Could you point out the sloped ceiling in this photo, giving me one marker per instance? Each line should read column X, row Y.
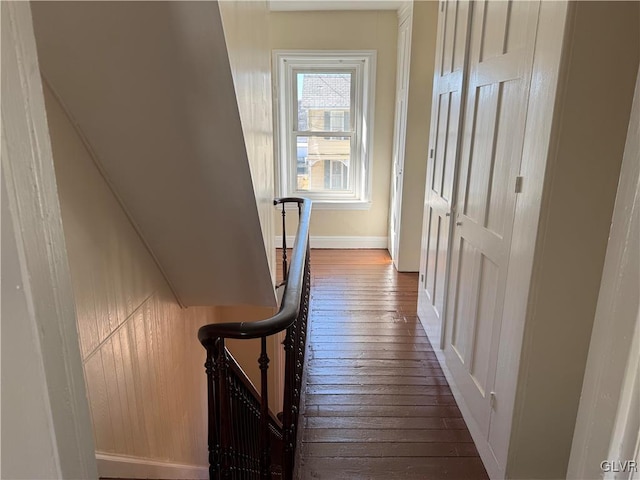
column 150, row 88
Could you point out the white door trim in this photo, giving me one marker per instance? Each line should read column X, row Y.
column 33, row 207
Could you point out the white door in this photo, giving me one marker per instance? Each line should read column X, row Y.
column 501, row 44
column 441, row 167
column 399, row 135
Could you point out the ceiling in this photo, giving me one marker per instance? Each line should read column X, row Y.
column 149, row 85
column 311, row 5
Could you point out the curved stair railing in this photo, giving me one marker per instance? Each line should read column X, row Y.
column 246, row 441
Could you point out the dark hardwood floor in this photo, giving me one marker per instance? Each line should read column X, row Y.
column 377, row 405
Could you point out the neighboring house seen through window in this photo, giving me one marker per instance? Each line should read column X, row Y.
column 324, row 112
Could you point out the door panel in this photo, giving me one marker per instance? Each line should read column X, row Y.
column 441, row 167
column 501, row 43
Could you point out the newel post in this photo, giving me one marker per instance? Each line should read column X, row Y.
column 213, row 402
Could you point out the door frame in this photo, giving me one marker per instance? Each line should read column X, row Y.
column 33, row 216
column 405, row 15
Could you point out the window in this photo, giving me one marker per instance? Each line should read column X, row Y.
column 324, row 113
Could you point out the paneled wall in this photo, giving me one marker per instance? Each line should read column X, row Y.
column 141, row 357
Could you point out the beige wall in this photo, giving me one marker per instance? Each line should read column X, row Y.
column 142, row 360
column 143, row 363
column 362, row 30
column 246, row 31
column 423, row 49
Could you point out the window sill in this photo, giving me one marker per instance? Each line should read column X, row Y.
column 333, row 205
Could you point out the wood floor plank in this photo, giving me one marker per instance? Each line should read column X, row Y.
column 341, row 339
column 369, row 347
column 354, row 354
column 343, row 317
column 377, row 404
column 382, row 330
column 384, row 423
column 384, row 435
column 419, row 468
column 382, row 450
column 375, row 380
column 375, row 363
column 394, row 400
column 377, row 371
column 445, row 411
column 398, row 390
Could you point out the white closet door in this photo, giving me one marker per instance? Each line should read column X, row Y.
column 501, row 45
column 439, row 194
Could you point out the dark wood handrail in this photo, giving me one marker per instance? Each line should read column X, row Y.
column 245, row 439
column 290, row 305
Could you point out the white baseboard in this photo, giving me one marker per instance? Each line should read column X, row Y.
column 320, row 241
column 120, row 466
column 494, row 470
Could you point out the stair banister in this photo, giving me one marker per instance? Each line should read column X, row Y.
column 245, row 439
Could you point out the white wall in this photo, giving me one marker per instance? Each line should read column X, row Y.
column 610, row 365
column 589, row 129
column 142, row 360
column 344, row 30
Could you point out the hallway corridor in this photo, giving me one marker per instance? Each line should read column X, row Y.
column 377, row 405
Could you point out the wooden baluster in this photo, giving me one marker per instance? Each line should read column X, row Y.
column 236, row 409
column 265, row 447
column 255, row 447
column 225, row 412
column 245, row 421
column 287, row 410
column 213, row 400
column 297, row 380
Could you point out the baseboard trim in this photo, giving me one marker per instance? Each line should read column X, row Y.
column 321, row 241
column 494, row 470
column 121, row 466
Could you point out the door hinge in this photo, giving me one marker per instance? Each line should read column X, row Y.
column 431, row 153
column 442, row 6
column 492, row 400
column 519, row 181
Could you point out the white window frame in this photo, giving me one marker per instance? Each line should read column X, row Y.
column 362, row 65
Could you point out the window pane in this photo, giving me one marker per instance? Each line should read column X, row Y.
column 324, row 101
column 323, row 163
